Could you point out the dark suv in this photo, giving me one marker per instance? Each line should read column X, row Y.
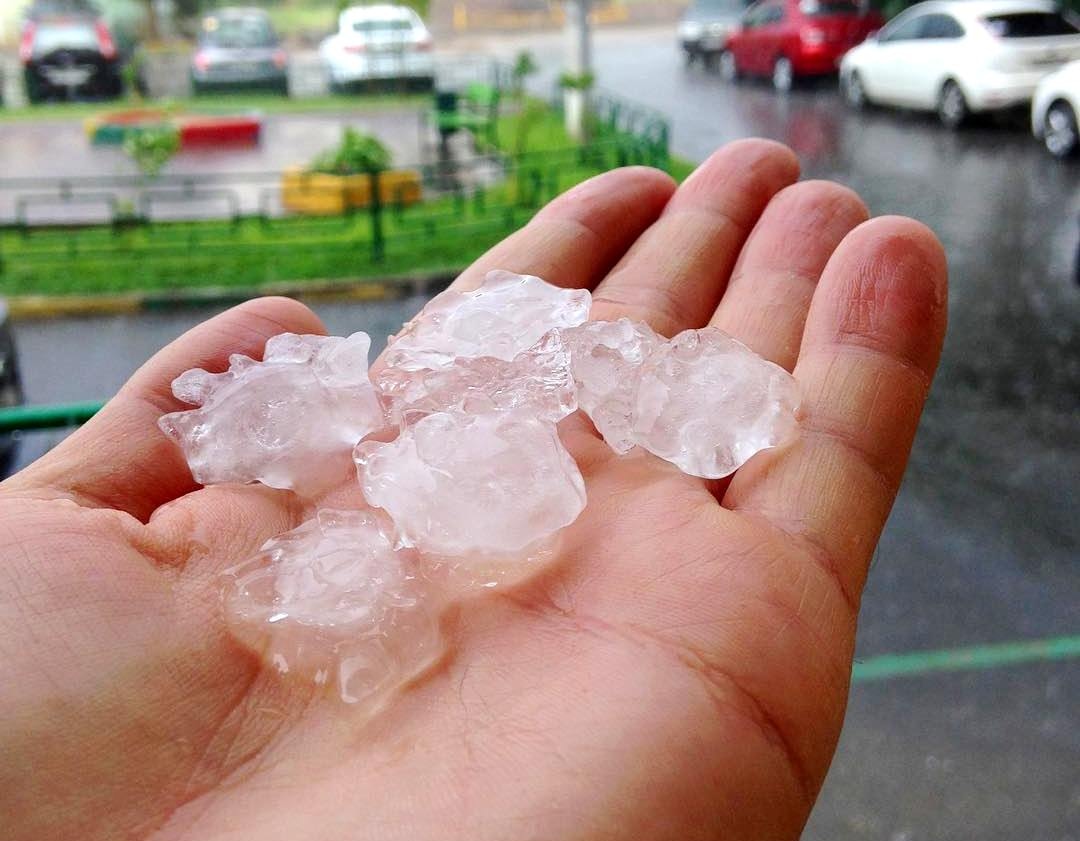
column 67, row 52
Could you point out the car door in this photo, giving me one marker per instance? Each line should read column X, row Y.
column 938, row 44
column 771, row 36
column 886, row 68
column 743, row 44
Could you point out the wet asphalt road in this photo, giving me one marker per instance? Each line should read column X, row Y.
column 984, row 543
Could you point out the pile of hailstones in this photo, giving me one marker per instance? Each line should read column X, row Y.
column 475, row 485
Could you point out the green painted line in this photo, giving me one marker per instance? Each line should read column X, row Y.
column 978, row 657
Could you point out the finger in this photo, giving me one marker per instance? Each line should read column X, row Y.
column 576, row 239
column 120, row 459
column 871, row 345
column 218, row 526
column 766, row 302
column 676, row 272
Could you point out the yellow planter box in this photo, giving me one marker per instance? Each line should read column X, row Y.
column 317, row 194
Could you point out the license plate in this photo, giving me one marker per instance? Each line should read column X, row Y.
column 67, row 76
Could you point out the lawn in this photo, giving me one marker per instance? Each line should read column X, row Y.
column 443, row 233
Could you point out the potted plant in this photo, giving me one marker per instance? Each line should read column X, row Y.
column 341, row 179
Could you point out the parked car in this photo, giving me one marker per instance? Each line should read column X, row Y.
column 960, row 57
column 237, row 47
column 68, row 54
column 11, row 392
column 786, row 39
column 705, row 26
column 1054, row 111
column 379, row 43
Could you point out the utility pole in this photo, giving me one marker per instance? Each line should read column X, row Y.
column 578, row 63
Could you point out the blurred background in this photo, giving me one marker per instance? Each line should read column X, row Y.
column 162, row 159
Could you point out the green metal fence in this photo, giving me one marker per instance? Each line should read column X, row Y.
column 251, row 242
column 55, row 416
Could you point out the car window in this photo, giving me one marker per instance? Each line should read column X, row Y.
column 823, row 8
column 706, row 8
column 70, row 36
column 753, row 17
column 1030, row 25
column 941, row 27
column 372, row 27
column 905, row 30
column 253, row 31
column 772, row 14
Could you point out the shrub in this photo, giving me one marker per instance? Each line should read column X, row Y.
column 356, row 154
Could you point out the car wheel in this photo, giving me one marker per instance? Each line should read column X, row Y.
column 729, row 70
column 783, row 74
column 854, row 92
column 1060, row 133
column 688, row 57
column 952, row 108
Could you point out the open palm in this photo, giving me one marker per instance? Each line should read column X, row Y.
column 681, row 670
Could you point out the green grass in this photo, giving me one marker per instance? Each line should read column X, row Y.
column 445, row 233
column 223, row 103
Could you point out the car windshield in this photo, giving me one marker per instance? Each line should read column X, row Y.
column 707, row 8
column 823, row 8
column 1030, row 25
column 65, row 36
column 379, row 27
column 238, row 32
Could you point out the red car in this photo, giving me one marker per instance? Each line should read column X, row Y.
column 785, row 39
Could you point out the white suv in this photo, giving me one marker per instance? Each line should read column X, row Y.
column 379, row 42
column 961, row 56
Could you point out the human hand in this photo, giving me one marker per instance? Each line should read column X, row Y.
column 680, row 672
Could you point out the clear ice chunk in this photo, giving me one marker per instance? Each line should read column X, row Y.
column 335, row 601
column 289, row 421
column 606, row 360
column 707, row 403
column 537, row 379
column 506, row 315
column 474, row 487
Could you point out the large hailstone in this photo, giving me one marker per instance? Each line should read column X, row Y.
column 707, row 403
column 289, row 421
column 606, row 359
column 702, row 400
column 537, row 380
column 489, row 349
column 334, row 600
column 507, row 314
column 473, row 487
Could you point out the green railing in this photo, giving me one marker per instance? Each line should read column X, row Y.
column 464, row 211
column 54, row 416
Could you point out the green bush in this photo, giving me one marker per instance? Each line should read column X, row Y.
column 151, row 148
column 358, row 153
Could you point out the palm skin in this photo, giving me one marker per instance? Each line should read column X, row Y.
column 679, row 672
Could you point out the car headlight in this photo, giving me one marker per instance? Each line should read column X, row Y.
column 689, row 30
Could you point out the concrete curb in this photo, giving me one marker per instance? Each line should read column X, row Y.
column 30, row 307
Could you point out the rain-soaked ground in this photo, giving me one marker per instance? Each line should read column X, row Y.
column 984, row 543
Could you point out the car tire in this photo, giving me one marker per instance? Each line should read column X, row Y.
column 783, row 75
column 729, row 68
column 854, row 91
column 1060, row 133
column 688, row 57
column 952, row 107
